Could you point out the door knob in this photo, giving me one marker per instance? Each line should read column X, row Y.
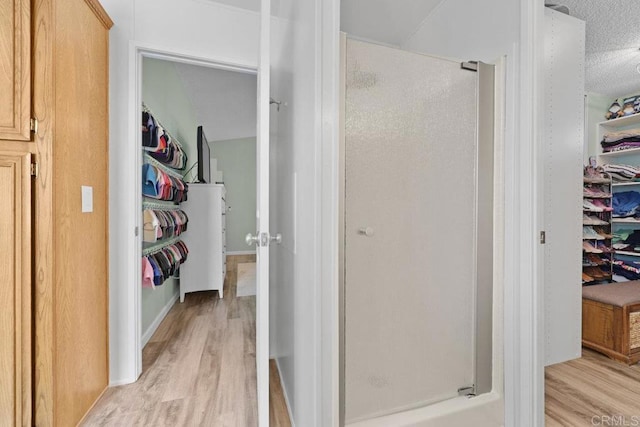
column 366, row 231
column 251, row 239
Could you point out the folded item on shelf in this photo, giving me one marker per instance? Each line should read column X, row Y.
column 621, row 134
column 634, row 238
column 620, row 147
column 622, row 173
column 621, row 234
column 626, row 204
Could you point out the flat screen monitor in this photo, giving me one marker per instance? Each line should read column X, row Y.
column 204, row 158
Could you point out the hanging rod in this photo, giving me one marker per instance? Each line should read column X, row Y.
column 146, row 109
column 149, row 159
column 160, row 246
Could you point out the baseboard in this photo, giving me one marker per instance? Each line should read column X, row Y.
column 121, row 382
column 92, row 406
column 146, row 336
column 286, row 395
column 241, row 253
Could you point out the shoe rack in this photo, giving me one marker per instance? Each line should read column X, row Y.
column 597, row 251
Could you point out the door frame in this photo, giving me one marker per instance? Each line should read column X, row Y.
column 131, row 312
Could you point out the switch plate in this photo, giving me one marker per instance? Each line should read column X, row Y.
column 87, row 198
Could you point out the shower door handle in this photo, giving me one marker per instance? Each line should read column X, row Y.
column 366, row 231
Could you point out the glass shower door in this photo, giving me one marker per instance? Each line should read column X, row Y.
column 411, row 215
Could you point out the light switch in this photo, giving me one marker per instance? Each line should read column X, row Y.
column 87, row 198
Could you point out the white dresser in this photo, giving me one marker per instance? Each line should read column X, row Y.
column 206, row 265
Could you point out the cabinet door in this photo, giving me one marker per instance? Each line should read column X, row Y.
column 15, row 72
column 15, row 289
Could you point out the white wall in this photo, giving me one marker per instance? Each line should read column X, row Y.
column 164, row 93
column 596, row 107
column 193, row 28
column 564, row 42
column 237, row 160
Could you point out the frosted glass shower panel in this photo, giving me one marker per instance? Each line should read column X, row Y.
column 410, row 215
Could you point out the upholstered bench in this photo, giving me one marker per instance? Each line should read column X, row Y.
column 611, row 320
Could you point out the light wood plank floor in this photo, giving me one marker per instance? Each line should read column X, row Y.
column 198, row 368
column 592, row 386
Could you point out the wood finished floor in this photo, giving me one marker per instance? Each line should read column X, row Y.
column 198, row 368
column 592, row 386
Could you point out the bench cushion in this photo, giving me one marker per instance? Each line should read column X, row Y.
column 617, row 294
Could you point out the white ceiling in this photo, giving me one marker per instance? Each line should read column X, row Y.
column 224, row 101
column 613, row 43
column 388, row 21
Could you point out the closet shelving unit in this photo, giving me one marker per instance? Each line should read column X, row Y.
column 628, row 157
column 603, row 186
column 149, row 248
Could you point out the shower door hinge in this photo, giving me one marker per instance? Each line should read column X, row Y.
column 543, row 237
column 469, row 391
column 470, row 65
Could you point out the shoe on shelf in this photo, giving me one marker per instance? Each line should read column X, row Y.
column 590, row 249
column 603, row 232
column 595, row 259
column 586, row 278
column 589, row 205
column 589, row 233
column 592, row 220
column 602, row 205
column 602, row 247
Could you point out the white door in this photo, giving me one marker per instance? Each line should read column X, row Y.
column 262, row 238
column 562, row 154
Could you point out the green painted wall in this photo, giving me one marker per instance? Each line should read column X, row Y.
column 596, row 107
column 165, row 95
column 237, row 161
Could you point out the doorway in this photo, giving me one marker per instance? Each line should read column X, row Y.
column 195, row 357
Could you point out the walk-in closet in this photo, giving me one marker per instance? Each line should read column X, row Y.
column 592, row 159
column 197, row 282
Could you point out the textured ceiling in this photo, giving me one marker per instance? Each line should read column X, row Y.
column 224, row 101
column 387, row 21
column 613, row 43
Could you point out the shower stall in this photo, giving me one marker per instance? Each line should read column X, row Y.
column 417, row 232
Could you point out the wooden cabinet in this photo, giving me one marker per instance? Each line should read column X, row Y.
column 15, row 289
column 15, row 72
column 54, row 309
column 70, row 100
